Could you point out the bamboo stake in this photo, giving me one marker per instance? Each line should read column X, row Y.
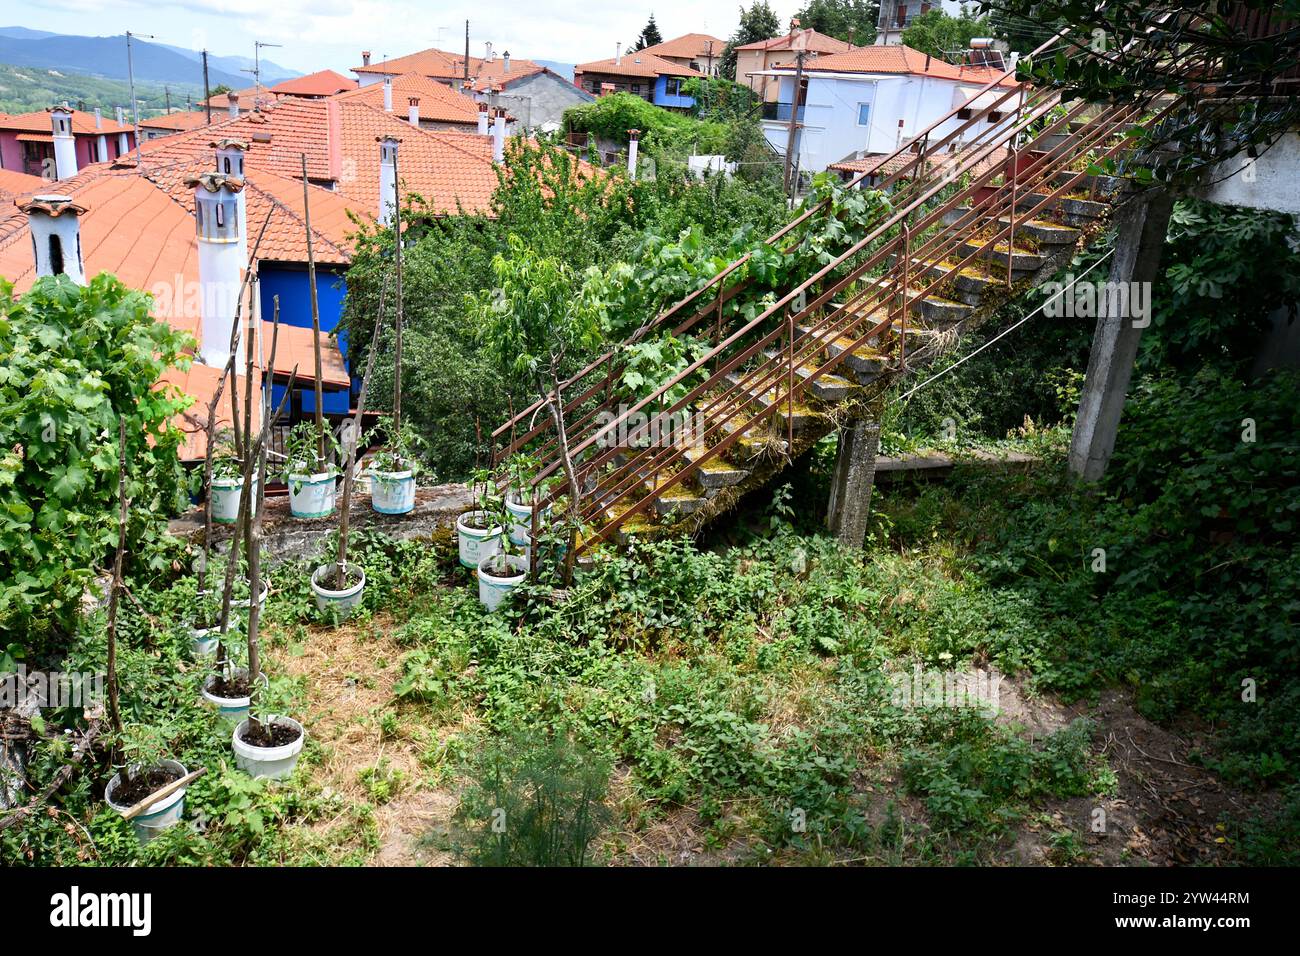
column 397, row 339
column 114, row 704
column 315, row 318
column 340, row 568
column 166, row 791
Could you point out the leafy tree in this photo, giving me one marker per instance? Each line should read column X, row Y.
column 74, row 361
column 758, row 22
column 219, row 89
column 650, row 36
column 853, row 21
column 943, row 36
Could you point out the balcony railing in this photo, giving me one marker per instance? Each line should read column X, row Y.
column 781, row 111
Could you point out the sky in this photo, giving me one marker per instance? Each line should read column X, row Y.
column 319, row 34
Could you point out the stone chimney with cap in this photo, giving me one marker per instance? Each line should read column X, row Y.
column 413, row 110
column 54, row 221
column 65, row 145
column 387, row 177
column 365, row 57
column 230, row 162
column 101, row 141
column 505, row 62
column 388, row 94
column 123, row 144
column 232, row 104
column 483, row 119
column 216, row 214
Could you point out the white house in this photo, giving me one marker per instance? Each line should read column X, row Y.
column 871, row 100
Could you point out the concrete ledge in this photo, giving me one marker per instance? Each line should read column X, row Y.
column 936, row 464
column 287, row 538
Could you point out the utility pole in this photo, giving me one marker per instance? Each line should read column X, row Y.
column 791, row 175
column 257, row 70
column 130, row 75
column 167, row 100
column 466, row 87
column 207, row 93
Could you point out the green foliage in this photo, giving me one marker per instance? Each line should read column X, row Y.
column 74, row 362
column 853, row 21
column 664, row 133
column 944, row 36
column 535, row 801
column 649, row 36
column 758, row 21
column 25, row 89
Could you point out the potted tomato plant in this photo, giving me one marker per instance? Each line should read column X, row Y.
column 310, row 472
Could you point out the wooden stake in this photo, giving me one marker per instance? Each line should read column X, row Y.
column 166, row 791
column 315, row 318
column 397, row 339
column 114, row 704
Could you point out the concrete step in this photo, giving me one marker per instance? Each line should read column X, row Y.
column 863, row 364
column 714, row 472
column 970, row 284
column 1023, row 261
column 1043, row 232
column 827, row 387
column 802, row 414
column 937, row 311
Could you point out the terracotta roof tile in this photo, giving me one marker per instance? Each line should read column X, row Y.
column 439, row 103
column 900, row 59
column 636, row 64
column 294, row 349
column 431, row 62
column 688, row 45
column 181, row 120
column 83, row 123
column 13, row 183
column 812, row 41
column 321, row 83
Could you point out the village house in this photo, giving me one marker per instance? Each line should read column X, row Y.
column 653, row 78
column 437, row 105
column 895, row 16
column 699, row 51
column 754, row 60
column 56, row 142
column 871, row 100
column 535, row 95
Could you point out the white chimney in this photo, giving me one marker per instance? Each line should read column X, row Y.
column 232, row 105
column 56, row 236
column 488, row 48
column 499, row 137
column 413, row 111
column 65, row 146
column 121, row 115
column 365, row 57
column 633, row 136
column 216, row 214
column 230, row 163
column 505, row 62
column 618, row 54
column 99, row 118
column 387, row 178
column 388, row 94
column 483, row 119
column 101, row 148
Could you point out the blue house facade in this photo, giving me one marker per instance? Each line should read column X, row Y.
column 653, row 78
column 290, row 282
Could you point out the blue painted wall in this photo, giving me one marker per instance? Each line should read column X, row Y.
column 662, row 97
column 294, row 290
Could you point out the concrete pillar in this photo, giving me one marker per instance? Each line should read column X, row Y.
column 1140, row 237
column 854, row 477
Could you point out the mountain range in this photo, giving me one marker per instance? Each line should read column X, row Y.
column 106, row 57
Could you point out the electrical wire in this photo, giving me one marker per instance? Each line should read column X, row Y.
column 1008, row 330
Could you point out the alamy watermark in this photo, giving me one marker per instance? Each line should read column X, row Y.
column 1073, row 298
column 22, row 689
column 623, row 428
column 977, row 689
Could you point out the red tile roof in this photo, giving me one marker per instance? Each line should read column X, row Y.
column 812, row 41
column 294, row 349
column 180, row 120
column 13, row 183
column 688, row 45
column 636, row 64
column 429, row 62
column 439, row 103
column 321, row 83
column 200, row 382
column 83, row 123
column 900, row 59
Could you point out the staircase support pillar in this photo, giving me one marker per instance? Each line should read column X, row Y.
column 854, row 477
column 1141, row 225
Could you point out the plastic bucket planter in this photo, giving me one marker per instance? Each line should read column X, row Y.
column 230, row 708
column 244, row 604
column 225, row 498
column 312, row 496
column 272, row 762
column 344, row 601
column 167, row 812
column 521, row 532
column 204, row 641
column 392, row 492
column 492, row 590
column 476, row 543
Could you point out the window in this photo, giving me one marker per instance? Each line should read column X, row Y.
column 673, row 86
column 995, row 116
column 864, row 114
column 56, row 255
column 964, row 114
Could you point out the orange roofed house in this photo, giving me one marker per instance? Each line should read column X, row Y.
column 535, row 95
column 653, row 78
column 869, row 101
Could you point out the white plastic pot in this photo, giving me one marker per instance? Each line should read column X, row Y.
column 392, row 492
column 204, row 641
column 225, row 498
column 244, row 603
column 492, row 590
column 272, row 762
column 343, row 601
column 476, row 543
column 167, row 812
column 521, row 532
column 312, row 496
column 230, row 708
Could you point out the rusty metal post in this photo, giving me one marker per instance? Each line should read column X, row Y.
column 1011, row 235
column 907, row 260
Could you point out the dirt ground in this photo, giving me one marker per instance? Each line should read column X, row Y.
column 1165, row 811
